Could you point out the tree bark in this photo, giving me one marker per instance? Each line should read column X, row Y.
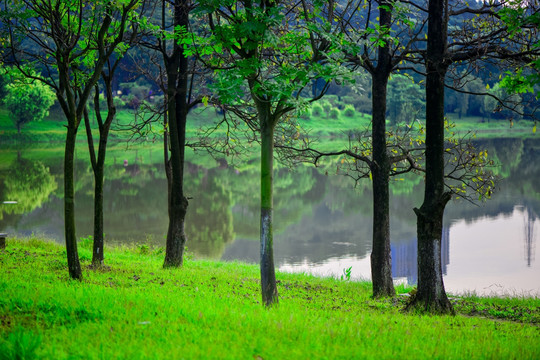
column 98, row 255
column 98, row 165
column 381, row 262
column 177, row 72
column 268, row 274
column 431, row 295
column 74, row 265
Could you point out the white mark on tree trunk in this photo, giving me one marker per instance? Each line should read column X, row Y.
column 266, row 224
column 437, row 266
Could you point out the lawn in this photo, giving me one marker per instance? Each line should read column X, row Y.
column 134, row 309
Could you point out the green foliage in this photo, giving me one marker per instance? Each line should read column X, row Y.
column 349, row 111
column 316, row 109
column 497, row 111
column 334, row 113
column 327, row 106
column 406, row 99
column 266, row 53
column 522, row 20
column 27, row 99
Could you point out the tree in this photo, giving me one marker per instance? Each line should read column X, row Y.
column 482, row 38
column 266, row 55
column 178, row 105
column 522, row 19
column 27, row 100
column 71, row 42
column 405, row 100
column 381, row 48
column 98, row 162
column 492, row 103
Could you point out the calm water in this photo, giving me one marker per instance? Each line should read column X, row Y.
column 322, row 224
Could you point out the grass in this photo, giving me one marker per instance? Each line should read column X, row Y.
column 52, row 128
column 134, row 309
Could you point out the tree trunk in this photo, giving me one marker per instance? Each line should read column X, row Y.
column 177, row 72
column 381, row 262
column 178, row 203
column 69, row 204
column 98, row 248
column 268, row 273
column 431, row 295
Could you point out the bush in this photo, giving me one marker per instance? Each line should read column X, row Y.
column 334, row 113
column 349, row 111
column 119, row 102
column 326, row 106
column 316, row 110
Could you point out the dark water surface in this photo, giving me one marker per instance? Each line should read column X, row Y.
column 322, row 224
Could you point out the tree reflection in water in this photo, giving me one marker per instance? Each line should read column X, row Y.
column 28, row 184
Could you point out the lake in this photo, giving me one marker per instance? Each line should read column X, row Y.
column 322, row 222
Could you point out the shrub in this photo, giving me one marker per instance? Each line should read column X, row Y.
column 119, row 102
column 326, row 106
column 349, row 111
column 316, row 110
column 334, row 113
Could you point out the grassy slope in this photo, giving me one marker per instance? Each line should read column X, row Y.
column 137, row 310
column 52, row 128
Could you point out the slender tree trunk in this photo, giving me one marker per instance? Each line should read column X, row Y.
column 98, row 165
column 98, row 248
column 381, row 262
column 166, row 161
column 74, row 265
column 268, row 273
column 431, row 295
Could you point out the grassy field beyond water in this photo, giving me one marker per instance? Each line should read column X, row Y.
column 134, row 309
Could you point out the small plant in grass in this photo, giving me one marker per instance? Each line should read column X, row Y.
column 86, row 242
column 334, row 113
column 346, row 274
column 349, row 111
column 144, row 249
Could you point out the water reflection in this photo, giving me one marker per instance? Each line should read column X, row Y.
column 322, row 224
column 24, row 187
column 530, row 238
column 404, row 257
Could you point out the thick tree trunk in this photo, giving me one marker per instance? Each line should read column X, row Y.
column 381, row 262
column 74, row 265
column 431, row 295
column 177, row 72
column 178, row 203
column 268, row 273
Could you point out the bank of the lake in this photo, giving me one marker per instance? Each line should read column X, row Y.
column 134, row 309
column 52, row 129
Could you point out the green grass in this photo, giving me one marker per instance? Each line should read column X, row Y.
column 52, row 128
column 136, row 310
